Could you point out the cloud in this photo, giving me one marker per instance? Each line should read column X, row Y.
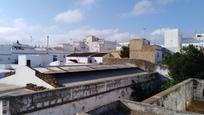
column 79, row 34
column 165, row 2
column 19, row 30
column 157, row 35
column 88, row 2
column 16, row 28
column 147, row 7
column 158, row 32
column 70, row 16
column 144, row 6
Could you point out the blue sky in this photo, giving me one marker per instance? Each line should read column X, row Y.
column 121, row 20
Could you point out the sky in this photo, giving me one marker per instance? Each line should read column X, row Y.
column 66, row 21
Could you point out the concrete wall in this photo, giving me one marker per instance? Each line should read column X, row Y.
column 145, row 65
column 172, row 39
column 126, row 107
column 79, row 97
column 176, row 97
column 199, row 89
column 35, row 60
column 146, row 109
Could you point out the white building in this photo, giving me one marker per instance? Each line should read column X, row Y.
column 172, row 40
column 86, row 58
column 9, row 53
column 199, row 37
column 94, row 44
column 80, row 47
column 197, row 41
column 35, row 60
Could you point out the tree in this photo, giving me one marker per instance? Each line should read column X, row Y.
column 189, row 63
column 124, row 53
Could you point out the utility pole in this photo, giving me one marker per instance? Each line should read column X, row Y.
column 47, row 43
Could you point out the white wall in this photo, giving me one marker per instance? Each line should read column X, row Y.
column 36, row 60
column 83, row 60
column 172, row 39
column 200, row 44
column 98, row 59
column 23, row 76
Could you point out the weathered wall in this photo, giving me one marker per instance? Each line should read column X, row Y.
column 79, row 97
column 176, row 97
column 148, row 66
column 146, row 109
column 126, row 107
column 145, row 65
column 199, row 89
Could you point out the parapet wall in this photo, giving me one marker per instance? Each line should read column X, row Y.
column 145, row 65
column 78, row 97
column 199, row 90
column 179, row 96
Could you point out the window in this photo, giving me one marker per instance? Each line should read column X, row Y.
column 203, row 92
column 4, row 103
column 54, row 58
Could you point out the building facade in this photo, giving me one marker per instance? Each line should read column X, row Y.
column 9, row 53
column 172, row 40
column 95, row 44
column 142, row 50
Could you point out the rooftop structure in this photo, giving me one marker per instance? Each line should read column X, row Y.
column 141, row 49
column 9, row 53
column 87, row 58
column 52, row 77
column 172, row 40
column 197, row 41
column 95, row 44
column 76, row 96
column 185, row 98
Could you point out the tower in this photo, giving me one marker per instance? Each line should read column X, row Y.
column 172, row 40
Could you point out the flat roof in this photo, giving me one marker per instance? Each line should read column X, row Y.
column 12, row 90
column 79, row 68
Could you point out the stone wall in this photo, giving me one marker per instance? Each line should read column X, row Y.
column 126, row 107
column 199, row 90
column 146, row 109
column 144, row 65
column 79, row 97
column 176, row 97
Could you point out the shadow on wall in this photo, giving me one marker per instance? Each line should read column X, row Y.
column 142, row 91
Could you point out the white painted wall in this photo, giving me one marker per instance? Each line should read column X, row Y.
column 83, row 60
column 98, row 59
column 200, row 44
column 36, row 60
column 23, row 76
column 172, row 40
